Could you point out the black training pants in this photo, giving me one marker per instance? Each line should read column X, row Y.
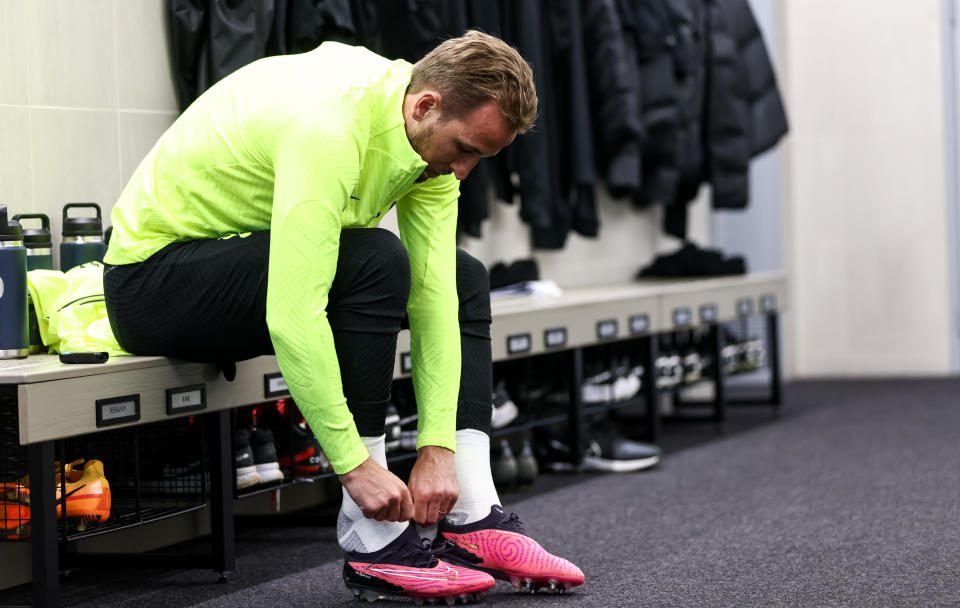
column 205, row 301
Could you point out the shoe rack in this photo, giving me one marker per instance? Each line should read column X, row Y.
column 50, row 411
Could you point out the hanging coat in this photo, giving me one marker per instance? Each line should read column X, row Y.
column 744, row 111
column 614, row 85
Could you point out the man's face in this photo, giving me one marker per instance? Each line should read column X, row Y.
column 455, row 144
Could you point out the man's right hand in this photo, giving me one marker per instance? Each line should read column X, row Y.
column 379, row 493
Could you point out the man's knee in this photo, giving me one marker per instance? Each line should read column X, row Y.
column 374, row 262
column 473, row 288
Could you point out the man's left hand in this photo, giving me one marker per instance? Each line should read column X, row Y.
column 433, row 484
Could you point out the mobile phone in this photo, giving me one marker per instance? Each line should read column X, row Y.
column 99, row 357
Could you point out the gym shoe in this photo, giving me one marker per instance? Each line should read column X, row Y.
column 14, row 521
column 265, row 456
column 605, row 449
column 505, row 410
column 19, row 490
column 499, row 546
column 87, row 498
column 246, row 469
column 299, row 450
column 407, row 568
column 392, row 429
column 609, row 450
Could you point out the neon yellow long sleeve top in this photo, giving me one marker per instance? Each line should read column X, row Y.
column 305, row 145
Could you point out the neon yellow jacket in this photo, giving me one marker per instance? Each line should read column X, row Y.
column 305, row 145
column 71, row 312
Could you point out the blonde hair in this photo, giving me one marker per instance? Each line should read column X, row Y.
column 475, row 68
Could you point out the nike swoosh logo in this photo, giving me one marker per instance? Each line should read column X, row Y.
column 449, row 575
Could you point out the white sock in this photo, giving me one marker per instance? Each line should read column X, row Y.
column 477, row 492
column 356, row 532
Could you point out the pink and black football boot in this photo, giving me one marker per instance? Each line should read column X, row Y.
column 407, row 568
column 498, row 545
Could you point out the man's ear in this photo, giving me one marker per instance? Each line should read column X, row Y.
column 426, row 101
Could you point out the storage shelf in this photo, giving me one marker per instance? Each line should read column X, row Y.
column 132, row 518
column 526, row 426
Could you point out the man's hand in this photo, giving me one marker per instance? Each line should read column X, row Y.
column 433, row 484
column 380, row 494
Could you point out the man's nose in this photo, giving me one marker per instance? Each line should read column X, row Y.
column 462, row 168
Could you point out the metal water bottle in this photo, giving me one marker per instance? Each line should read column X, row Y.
column 38, row 241
column 82, row 238
column 39, row 244
column 14, row 343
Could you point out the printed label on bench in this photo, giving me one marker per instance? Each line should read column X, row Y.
column 639, row 324
column 555, row 337
column 708, row 313
column 518, row 343
column 682, row 316
column 607, row 329
column 118, row 410
column 745, row 307
column 406, row 363
column 186, row 399
column 768, row 303
column 274, row 385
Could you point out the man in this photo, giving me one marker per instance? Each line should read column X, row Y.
column 289, row 164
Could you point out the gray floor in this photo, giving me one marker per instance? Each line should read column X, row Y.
column 849, row 498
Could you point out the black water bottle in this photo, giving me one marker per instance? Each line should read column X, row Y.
column 82, row 238
column 14, row 342
column 39, row 244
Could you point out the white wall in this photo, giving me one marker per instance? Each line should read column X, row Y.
column 864, row 188
column 86, row 91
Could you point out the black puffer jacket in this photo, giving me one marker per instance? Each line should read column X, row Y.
column 614, row 97
column 744, row 114
column 744, row 111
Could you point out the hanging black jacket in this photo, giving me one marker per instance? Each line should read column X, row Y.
column 614, row 85
column 554, row 161
column 210, row 39
column 745, row 114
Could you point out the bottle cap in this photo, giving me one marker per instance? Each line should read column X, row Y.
column 9, row 230
column 82, row 226
column 36, row 237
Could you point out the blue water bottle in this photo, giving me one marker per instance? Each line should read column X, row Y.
column 14, row 342
column 39, row 244
column 82, row 238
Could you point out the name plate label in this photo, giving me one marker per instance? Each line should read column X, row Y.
column 274, row 385
column 518, row 343
column 639, row 324
column 708, row 313
column 406, row 363
column 682, row 316
column 118, row 410
column 555, row 337
column 745, row 307
column 187, row 399
column 607, row 329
